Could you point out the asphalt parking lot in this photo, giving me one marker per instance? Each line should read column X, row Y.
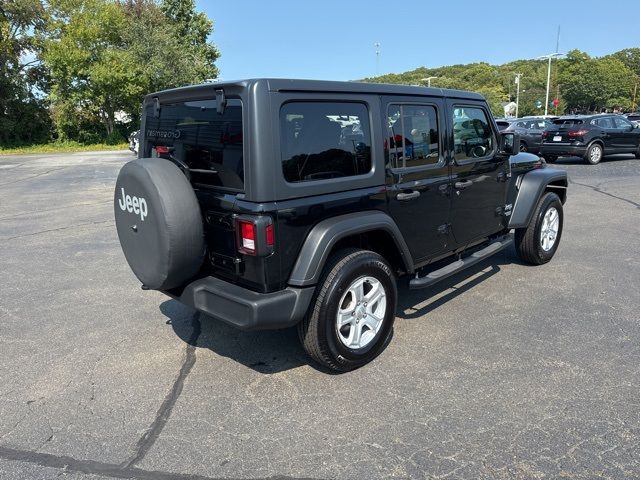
column 507, row 371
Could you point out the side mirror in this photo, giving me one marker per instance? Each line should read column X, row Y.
column 509, row 143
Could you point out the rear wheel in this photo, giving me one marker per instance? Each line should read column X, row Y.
column 550, row 158
column 594, row 154
column 638, row 153
column 351, row 320
column 524, row 147
column 537, row 243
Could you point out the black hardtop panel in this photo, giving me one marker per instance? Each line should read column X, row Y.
column 293, row 85
column 199, row 92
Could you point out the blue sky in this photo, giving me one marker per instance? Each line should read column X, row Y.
column 334, row 40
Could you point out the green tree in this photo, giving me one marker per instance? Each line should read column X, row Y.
column 104, row 55
column 590, row 84
column 23, row 114
column 193, row 28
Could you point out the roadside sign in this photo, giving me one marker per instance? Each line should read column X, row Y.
column 538, row 103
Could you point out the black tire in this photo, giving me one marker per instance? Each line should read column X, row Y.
column 318, row 331
column 528, row 240
column 638, row 153
column 524, row 147
column 550, row 158
column 591, row 157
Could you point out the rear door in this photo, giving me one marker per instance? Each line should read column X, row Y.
column 478, row 173
column 608, row 133
column 418, row 173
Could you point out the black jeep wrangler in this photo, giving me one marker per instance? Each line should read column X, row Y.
column 270, row 203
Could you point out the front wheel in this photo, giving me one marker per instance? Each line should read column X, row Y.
column 550, row 158
column 538, row 242
column 594, row 154
column 351, row 320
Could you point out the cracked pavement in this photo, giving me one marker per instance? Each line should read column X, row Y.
column 505, row 371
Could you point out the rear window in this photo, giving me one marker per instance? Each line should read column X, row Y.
column 571, row 121
column 323, row 140
column 194, row 135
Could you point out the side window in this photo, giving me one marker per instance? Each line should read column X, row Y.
column 321, row 140
column 413, row 136
column 472, row 134
column 604, row 122
column 621, row 123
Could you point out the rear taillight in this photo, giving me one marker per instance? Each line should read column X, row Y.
column 162, row 150
column 578, row 133
column 247, row 237
column 255, row 236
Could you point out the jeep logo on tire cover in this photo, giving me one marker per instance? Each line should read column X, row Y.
column 137, row 205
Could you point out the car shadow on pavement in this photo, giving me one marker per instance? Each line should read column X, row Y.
column 265, row 351
column 274, row 351
column 414, row 304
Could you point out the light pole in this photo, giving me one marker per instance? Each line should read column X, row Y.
column 518, row 75
column 428, row 80
column 377, row 45
column 550, row 56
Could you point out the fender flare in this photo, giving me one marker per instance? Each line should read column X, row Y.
column 531, row 187
column 323, row 237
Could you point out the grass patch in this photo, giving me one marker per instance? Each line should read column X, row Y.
column 61, row 147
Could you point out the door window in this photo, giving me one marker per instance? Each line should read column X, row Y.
column 606, row 123
column 622, row 123
column 413, row 136
column 472, row 134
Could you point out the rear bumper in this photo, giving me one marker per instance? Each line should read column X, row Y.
column 558, row 150
column 243, row 308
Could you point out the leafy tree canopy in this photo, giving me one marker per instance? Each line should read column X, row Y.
column 104, row 55
column 581, row 83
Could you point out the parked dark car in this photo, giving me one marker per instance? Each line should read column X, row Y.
column 590, row 137
column 503, row 123
column 633, row 117
column 134, row 142
column 273, row 203
column 530, row 130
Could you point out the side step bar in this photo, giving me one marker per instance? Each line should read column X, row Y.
column 459, row 265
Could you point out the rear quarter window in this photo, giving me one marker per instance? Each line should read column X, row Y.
column 324, row 140
column 567, row 122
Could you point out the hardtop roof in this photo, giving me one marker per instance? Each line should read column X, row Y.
column 294, row 85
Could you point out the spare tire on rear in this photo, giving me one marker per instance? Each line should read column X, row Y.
column 159, row 223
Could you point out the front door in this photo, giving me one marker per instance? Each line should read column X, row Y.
column 625, row 135
column 418, row 186
column 478, row 173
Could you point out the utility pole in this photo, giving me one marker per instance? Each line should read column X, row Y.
column 518, row 75
column 549, row 57
column 635, row 91
column 377, row 45
column 428, row 80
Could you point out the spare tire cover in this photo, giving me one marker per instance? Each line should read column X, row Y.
column 159, row 223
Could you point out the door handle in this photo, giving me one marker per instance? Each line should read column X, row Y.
column 402, row 196
column 463, row 184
